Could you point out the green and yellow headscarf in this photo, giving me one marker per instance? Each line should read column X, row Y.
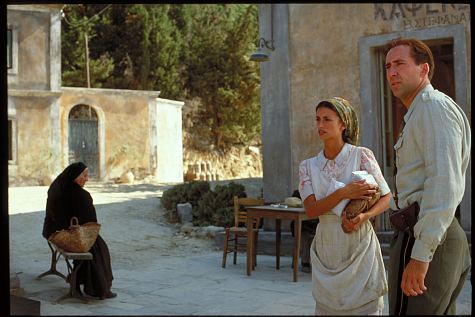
column 347, row 114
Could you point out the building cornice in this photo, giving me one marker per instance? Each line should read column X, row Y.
column 33, row 93
column 147, row 93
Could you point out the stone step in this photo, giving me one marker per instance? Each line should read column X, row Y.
column 384, row 236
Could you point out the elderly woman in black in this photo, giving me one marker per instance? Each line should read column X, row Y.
column 67, row 198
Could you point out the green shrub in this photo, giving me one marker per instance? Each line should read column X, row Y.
column 216, row 207
column 187, row 192
column 209, row 207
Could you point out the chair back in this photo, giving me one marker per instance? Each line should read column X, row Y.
column 240, row 214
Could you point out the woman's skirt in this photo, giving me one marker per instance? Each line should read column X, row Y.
column 96, row 275
column 348, row 272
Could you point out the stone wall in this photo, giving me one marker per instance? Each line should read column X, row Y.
column 238, row 163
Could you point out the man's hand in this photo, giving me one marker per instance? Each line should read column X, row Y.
column 413, row 277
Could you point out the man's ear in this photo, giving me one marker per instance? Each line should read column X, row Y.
column 425, row 69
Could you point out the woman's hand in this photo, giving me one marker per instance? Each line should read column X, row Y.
column 359, row 190
column 350, row 225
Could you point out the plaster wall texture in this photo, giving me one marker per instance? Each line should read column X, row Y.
column 31, row 34
column 275, row 106
column 317, row 56
column 34, row 142
column 325, row 57
column 124, row 122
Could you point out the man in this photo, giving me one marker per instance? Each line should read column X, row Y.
column 429, row 263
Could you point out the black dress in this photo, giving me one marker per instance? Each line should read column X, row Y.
column 67, row 199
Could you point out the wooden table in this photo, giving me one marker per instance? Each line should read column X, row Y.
column 277, row 213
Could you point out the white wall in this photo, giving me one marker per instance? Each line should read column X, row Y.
column 169, row 141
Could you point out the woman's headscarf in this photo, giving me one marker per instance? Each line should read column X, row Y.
column 67, row 176
column 347, row 114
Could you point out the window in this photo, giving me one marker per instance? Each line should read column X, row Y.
column 12, row 142
column 12, row 50
column 10, row 152
column 9, row 49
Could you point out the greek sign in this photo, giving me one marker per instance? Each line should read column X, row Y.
column 418, row 15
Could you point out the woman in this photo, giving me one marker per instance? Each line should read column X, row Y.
column 67, row 198
column 348, row 272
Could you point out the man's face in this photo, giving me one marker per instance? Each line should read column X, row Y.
column 403, row 75
column 82, row 178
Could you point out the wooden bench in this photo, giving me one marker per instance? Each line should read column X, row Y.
column 71, row 278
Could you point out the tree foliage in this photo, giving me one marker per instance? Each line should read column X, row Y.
column 188, row 52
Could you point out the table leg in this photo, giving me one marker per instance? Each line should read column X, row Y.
column 249, row 255
column 298, row 233
column 277, row 243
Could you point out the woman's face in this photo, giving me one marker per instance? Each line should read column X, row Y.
column 329, row 124
column 82, row 178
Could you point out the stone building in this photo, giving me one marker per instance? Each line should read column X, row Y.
column 323, row 50
column 50, row 126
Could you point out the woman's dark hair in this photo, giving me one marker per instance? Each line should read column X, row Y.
column 329, row 105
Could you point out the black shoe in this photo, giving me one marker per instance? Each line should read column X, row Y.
column 110, row 295
column 78, row 289
column 306, row 267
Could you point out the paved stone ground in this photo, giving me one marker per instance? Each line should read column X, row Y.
column 154, row 276
column 196, row 285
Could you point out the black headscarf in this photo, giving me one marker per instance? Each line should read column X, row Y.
column 65, row 198
column 65, row 179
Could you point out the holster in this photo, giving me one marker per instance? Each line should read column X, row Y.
column 405, row 219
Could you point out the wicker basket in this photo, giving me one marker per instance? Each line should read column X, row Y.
column 78, row 239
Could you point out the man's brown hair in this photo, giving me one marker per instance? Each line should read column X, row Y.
column 419, row 51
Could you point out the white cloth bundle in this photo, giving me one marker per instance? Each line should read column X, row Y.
column 334, row 185
column 363, row 175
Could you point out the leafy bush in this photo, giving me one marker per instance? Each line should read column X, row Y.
column 187, row 192
column 209, row 207
column 216, row 207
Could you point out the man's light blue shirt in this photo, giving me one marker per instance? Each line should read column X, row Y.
column 432, row 155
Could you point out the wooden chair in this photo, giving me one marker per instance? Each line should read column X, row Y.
column 239, row 230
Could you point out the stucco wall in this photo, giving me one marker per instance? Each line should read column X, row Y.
column 324, row 64
column 124, row 122
column 38, row 58
column 34, row 154
column 316, row 57
column 325, row 56
column 169, row 166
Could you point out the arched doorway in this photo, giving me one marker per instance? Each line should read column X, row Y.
column 83, row 138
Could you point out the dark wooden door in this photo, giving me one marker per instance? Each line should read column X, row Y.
column 83, row 138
